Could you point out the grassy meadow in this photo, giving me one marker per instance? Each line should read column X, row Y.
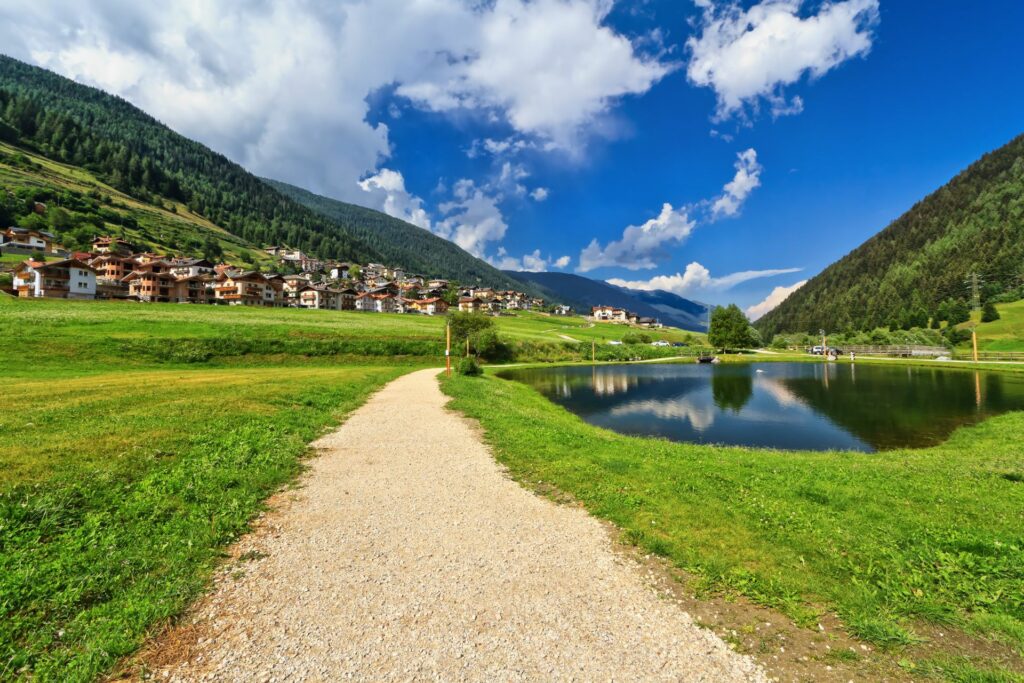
column 1005, row 334
column 136, row 441
column 900, row 545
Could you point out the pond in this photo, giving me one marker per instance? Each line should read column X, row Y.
column 807, row 406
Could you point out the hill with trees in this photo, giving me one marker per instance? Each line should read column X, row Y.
column 582, row 293
column 915, row 272
column 418, row 250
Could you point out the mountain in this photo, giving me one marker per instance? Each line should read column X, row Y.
column 918, row 267
column 418, row 250
column 581, row 293
column 130, row 151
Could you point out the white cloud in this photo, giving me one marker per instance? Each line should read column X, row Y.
column 641, row 245
column 751, row 55
column 531, row 263
column 698, row 279
column 736, row 191
column 282, row 87
column 540, row 194
column 551, row 66
column 389, row 189
column 472, row 219
column 776, row 297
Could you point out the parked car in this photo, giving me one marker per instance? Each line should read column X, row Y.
column 818, row 350
column 614, row 342
column 660, row 342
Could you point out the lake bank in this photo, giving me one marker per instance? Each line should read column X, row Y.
column 899, row 549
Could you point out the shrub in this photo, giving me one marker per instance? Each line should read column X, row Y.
column 989, row 313
column 469, row 368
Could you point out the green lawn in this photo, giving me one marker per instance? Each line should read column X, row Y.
column 1005, row 334
column 137, row 440
column 893, row 543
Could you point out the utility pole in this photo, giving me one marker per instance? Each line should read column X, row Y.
column 448, row 349
column 975, row 284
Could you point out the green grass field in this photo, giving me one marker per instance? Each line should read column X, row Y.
column 900, row 546
column 137, row 440
column 1005, row 334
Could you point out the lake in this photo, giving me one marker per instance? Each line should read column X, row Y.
column 807, row 406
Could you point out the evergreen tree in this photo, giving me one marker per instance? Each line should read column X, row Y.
column 989, row 313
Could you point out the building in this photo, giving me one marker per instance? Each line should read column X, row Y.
column 339, row 271
column 247, row 288
column 112, row 268
column 112, row 245
column 609, row 314
column 152, row 282
column 319, row 297
column 67, row 279
column 347, row 299
column 190, row 267
column 562, row 309
column 471, row 304
column 433, row 306
column 26, row 240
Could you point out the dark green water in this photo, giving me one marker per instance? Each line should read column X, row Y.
column 812, row 406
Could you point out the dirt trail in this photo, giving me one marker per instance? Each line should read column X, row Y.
column 408, row 554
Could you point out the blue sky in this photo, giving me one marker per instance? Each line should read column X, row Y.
column 535, row 128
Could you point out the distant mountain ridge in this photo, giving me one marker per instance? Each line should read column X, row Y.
column 582, row 293
column 416, row 249
column 917, row 267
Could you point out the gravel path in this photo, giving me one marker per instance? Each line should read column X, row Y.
column 409, row 555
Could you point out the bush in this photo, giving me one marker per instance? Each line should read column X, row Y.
column 989, row 314
column 469, row 368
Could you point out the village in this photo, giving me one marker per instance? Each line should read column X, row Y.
column 115, row 269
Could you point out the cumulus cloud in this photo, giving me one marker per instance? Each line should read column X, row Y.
column 750, row 55
column 697, row 279
column 551, row 66
column 641, row 245
column 736, row 191
column 472, row 218
column 776, row 297
column 531, row 263
column 540, row 194
column 388, row 188
column 282, row 87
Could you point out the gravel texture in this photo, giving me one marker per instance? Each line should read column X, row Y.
column 408, row 555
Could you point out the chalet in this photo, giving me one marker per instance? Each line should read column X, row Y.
column 652, row 323
column 339, row 271
column 608, row 314
column 190, row 267
column 152, row 281
column 112, row 245
column 364, row 302
column 112, row 268
column 347, row 299
column 26, row 240
column 562, row 309
column 471, row 304
column 247, row 288
column 386, row 288
column 432, row 306
column 437, row 284
column 291, row 285
column 68, row 279
column 318, row 297
column 193, row 289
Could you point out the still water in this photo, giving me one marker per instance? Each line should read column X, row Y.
column 813, row 406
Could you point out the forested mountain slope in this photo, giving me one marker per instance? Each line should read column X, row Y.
column 917, row 267
column 134, row 153
column 418, row 250
column 582, row 293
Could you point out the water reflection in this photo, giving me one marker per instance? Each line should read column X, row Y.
column 781, row 405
